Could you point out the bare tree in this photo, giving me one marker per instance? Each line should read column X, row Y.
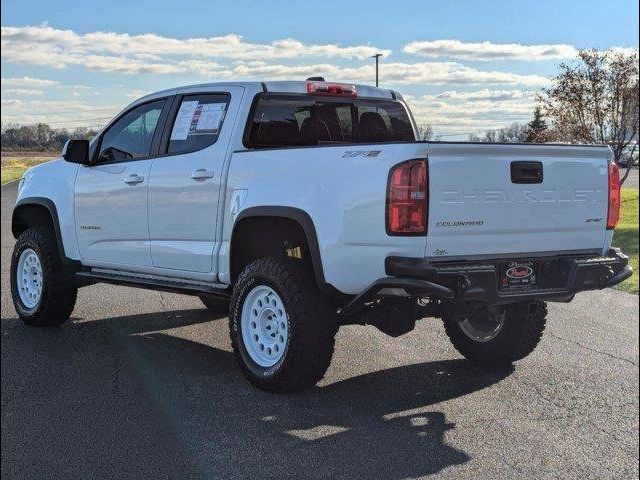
column 425, row 132
column 595, row 100
column 40, row 136
column 515, row 133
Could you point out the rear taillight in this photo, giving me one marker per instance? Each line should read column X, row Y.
column 334, row 89
column 408, row 198
column 614, row 196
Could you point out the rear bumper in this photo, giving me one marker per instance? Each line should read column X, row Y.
column 560, row 276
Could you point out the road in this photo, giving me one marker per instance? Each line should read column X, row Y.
column 143, row 385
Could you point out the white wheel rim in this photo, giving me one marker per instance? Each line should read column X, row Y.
column 264, row 325
column 29, row 278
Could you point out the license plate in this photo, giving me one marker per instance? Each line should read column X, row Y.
column 518, row 275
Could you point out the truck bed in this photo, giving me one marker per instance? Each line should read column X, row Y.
column 475, row 210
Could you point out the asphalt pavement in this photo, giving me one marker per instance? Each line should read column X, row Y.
column 142, row 385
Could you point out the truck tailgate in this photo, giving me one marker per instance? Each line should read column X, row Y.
column 498, row 199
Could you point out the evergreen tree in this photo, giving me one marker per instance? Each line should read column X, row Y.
column 537, row 130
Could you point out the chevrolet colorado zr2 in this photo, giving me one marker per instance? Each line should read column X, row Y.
column 302, row 206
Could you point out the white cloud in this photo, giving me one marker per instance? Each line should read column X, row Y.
column 150, row 53
column 464, row 112
column 52, row 56
column 74, row 105
column 11, row 102
column 41, row 49
column 489, row 51
column 57, row 113
column 125, row 65
column 154, row 54
column 22, row 92
column 135, row 94
column 440, row 73
column 26, row 82
column 150, row 46
column 487, row 95
column 427, row 73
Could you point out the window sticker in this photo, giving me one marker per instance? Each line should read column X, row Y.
column 209, row 118
column 196, row 118
column 182, row 125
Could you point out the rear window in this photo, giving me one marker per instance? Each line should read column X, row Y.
column 288, row 121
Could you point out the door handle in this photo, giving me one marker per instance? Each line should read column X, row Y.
column 201, row 173
column 133, row 179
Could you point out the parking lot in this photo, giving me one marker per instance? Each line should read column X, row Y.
column 142, row 384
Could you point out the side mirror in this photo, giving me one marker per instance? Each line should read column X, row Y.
column 76, row 151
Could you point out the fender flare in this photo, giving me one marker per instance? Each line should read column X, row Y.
column 53, row 212
column 303, row 219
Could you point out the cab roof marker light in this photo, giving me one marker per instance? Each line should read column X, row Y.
column 332, row 89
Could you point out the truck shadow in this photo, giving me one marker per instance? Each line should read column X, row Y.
column 118, row 398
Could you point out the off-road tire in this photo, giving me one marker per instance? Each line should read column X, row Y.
column 311, row 326
column 522, row 330
column 59, row 291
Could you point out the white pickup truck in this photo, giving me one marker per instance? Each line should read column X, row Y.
column 303, row 206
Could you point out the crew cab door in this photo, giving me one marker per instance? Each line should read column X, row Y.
column 111, row 194
column 185, row 180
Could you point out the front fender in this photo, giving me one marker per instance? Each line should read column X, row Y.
column 51, row 185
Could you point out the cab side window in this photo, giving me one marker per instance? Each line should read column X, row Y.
column 131, row 136
column 197, row 122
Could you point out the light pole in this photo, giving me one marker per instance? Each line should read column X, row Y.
column 376, row 56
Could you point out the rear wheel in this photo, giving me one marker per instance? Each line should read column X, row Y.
column 495, row 336
column 43, row 289
column 281, row 328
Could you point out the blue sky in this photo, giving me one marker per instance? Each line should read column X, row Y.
column 465, row 66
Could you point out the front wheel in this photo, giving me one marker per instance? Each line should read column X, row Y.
column 43, row 290
column 496, row 336
column 282, row 330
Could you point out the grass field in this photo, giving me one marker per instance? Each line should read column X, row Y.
column 625, row 237
column 14, row 164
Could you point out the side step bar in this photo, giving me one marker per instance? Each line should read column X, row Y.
column 84, row 278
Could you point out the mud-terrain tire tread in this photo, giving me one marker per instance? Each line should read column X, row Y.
column 59, row 290
column 523, row 328
column 312, row 326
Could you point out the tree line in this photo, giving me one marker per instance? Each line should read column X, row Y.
column 40, row 136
